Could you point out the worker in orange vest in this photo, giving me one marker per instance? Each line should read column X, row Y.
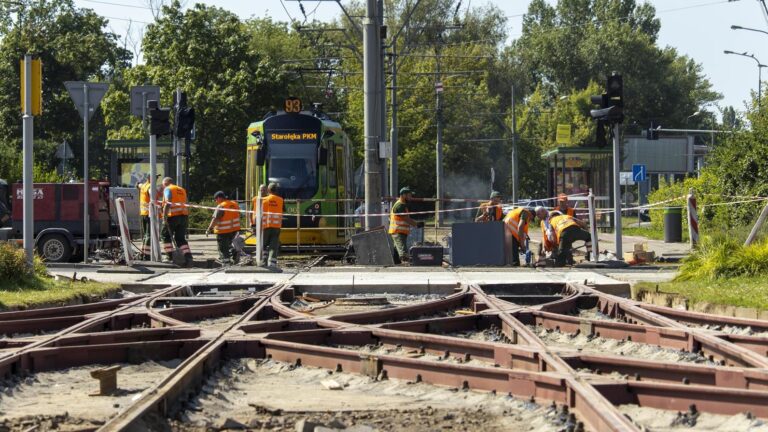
column 516, row 223
column 490, row 211
column 563, row 207
column 225, row 224
column 176, row 214
column 271, row 222
column 400, row 223
column 559, row 232
column 144, row 203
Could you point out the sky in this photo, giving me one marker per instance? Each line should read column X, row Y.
column 700, row 29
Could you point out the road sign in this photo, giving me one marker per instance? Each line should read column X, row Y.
column 625, row 178
column 139, row 97
column 96, row 92
column 639, row 172
column 439, row 87
column 37, row 87
column 563, row 134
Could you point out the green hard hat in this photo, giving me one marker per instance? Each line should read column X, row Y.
column 405, row 190
column 495, row 194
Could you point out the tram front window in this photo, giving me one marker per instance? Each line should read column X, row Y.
column 294, row 168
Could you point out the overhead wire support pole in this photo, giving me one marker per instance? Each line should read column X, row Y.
column 86, row 189
column 515, row 173
column 28, row 230
column 617, row 189
column 372, row 88
column 438, row 144
column 383, row 102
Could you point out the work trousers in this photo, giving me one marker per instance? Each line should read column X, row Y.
column 401, row 240
column 567, row 238
column 176, row 229
column 515, row 252
column 271, row 239
column 224, row 242
column 146, row 238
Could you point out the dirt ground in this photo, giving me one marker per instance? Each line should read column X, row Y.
column 275, row 396
column 663, row 421
column 60, row 400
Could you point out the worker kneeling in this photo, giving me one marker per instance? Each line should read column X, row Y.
column 225, row 224
column 559, row 232
column 516, row 224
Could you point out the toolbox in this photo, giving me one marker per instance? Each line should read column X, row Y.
column 425, row 255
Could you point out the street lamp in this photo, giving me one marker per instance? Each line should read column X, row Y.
column 760, row 67
column 735, row 27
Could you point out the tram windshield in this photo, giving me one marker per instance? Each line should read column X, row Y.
column 294, row 167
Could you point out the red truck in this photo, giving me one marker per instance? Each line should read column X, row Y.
column 58, row 213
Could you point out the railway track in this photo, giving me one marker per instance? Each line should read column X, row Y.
column 599, row 361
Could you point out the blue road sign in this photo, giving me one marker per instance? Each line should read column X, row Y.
column 639, row 172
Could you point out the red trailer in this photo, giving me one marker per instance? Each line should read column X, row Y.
column 58, row 212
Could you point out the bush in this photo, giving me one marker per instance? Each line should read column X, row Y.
column 724, row 256
column 13, row 265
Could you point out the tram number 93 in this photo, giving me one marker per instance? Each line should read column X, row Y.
column 293, row 105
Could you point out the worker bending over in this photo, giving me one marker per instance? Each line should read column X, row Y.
column 225, row 224
column 559, row 232
column 145, row 200
column 563, row 207
column 176, row 214
column 271, row 223
column 516, row 223
column 400, row 223
column 490, row 211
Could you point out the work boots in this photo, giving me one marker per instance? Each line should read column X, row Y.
column 188, row 262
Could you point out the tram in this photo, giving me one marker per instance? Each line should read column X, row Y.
column 309, row 156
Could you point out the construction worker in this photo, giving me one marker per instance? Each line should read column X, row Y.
column 563, row 207
column 490, row 211
column 144, row 203
column 225, row 224
column 400, row 223
column 559, row 232
column 263, row 192
column 516, row 223
column 176, row 214
column 271, row 222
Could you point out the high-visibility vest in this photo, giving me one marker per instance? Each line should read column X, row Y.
column 230, row 220
column 498, row 213
column 177, row 202
column 397, row 222
column 512, row 222
column 144, row 199
column 553, row 231
column 570, row 211
column 272, row 212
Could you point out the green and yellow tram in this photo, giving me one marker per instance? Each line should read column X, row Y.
column 309, row 156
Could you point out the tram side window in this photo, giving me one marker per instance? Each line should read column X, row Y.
column 331, row 165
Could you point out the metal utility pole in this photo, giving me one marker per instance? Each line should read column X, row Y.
column 515, row 174
column 28, row 229
column 372, row 93
column 153, row 219
column 439, row 145
column 393, row 177
column 177, row 143
column 86, row 222
column 617, row 188
column 382, row 100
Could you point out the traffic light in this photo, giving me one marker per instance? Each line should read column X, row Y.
column 611, row 102
column 184, row 122
column 159, row 119
column 600, row 139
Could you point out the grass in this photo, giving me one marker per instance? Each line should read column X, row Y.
column 44, row 291
column 723, row 271
column 745, row 291
column 24, row 287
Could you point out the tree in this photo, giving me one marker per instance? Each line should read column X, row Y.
column 73, row 45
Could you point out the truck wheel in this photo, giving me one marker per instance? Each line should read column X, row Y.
column 54, row 248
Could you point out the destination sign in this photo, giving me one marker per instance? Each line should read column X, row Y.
column 303, row 136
